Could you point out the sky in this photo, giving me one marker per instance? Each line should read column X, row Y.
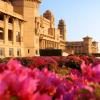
column 82, row 17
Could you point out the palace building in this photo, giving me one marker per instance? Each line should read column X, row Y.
column 87, row 46
column 23, row 32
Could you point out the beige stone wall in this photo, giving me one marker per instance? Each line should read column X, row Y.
column 94, row 47
column 35, row 31
column 29, row 10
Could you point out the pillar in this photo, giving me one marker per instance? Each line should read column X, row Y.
column 6, row 17
column 21, row 31
column 14, row 31
column 6, row 28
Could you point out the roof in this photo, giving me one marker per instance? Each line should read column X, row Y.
column 87, row 37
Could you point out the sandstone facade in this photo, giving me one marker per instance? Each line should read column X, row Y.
column 87, row 46
column 23, row 32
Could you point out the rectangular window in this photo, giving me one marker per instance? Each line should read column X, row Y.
column 1, row 33
column 1, row 16
column 18, row 52
column 10, row 20
column 11, row 53
column 18, row 38
column 51, row 31
column 1, row 51
column 28, row 50
column 10, row 35
column 36, row 52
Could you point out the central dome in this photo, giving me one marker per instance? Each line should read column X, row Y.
column 48, row 15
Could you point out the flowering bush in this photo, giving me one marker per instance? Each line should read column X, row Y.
column 19, row 82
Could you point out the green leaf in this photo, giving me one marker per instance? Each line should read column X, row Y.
column 14, row 98
column 84, row 91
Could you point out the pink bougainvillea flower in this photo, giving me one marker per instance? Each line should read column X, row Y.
column 96, row 68
column 86, row 69
column 3, row 87
column 14, row 65
column 3, row 67
column 38, row 96
column 18, row 82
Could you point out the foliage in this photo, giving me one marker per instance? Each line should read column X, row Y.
column 50, row 78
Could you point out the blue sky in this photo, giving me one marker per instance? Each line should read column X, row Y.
column 82, row 17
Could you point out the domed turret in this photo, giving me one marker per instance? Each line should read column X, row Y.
column 48, row 15
column 61, row 22
column 48, row 12
column 62, row 28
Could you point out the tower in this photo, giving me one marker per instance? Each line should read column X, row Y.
column 48, row 15
column 62, row 28
column 25, row 7
column 87, row 44
column 29, row 9
column 95, row 47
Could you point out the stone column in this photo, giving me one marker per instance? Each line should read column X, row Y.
column 21, row 38
column 45, row 44
column 21, row 32
column 6, row 17
column 14, row 31
column 58, row 45
column 6, row 28
column 42, row 44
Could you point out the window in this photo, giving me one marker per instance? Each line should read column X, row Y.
column 18, row 39
column 36, row 52
column 1, row 16
column 18, row 52
column 28, row 50
column 10, row 20
column 1, row 51
column 10, row 35
column 10, row 51
column 51, row 31
column 1, row 33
